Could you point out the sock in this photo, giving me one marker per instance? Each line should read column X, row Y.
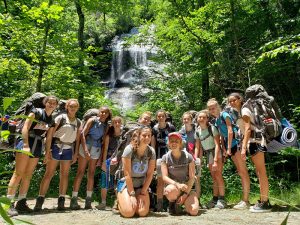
column 215, row 198
column 42, row 196
column 11, row 197
column 74, row 194
column 61, row 196
column 103, row 202
column 89, row 194
column 221, row 197
column 20, row 197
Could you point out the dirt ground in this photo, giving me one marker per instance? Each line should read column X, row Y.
column 50, row 216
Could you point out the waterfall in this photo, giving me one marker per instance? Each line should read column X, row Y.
column 130, row 67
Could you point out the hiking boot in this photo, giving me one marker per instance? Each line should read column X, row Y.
column 260, row 207
column 88, row 203
column 178, row 209
column 159, row 206
column 39, row 203
column 74, row 204
column 172, row 208
column 221, row 204
column 101, row 206
column 12, row 211
column 61, row 204
column 22, row 206
column 211, row 204
column 242, row 205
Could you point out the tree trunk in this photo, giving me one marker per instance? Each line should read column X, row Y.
column 81, row 45
column 42, row 63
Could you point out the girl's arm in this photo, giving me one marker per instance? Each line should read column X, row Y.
column 49, row 138
column 149, row 176
column 217, row 150
column 25, row 131
column 230, row 135
column 105, row 149
column 77, row 144
column 191, row 180
column 247, row 135
column 84, row 132
column 198, row 149
column 127, row 174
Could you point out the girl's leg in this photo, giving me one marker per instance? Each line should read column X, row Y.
column 219, row 179
column 64, row 177
column 19, row 173
column 192, row 204
column 171, row 192
column 243, row 172
column 50, row 171
column 143, row 205
column 125, row 204
column 90, row 183
column 82, row 163
column 259, row 161
column 159, row 194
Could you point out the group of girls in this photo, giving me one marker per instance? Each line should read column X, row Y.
column 68, row 141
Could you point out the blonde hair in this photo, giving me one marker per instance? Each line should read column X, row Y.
column 68, row 102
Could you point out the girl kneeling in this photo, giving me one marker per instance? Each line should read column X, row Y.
column 138, row 164
column 178, row 172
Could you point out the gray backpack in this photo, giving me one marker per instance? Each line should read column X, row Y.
column 266, row 112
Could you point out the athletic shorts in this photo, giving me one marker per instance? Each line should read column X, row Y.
column 94, row 151
column 39, row 147
column 61, row 154
column 234, row 150
column 106, row 180
column 255, row 148
column 121, row 185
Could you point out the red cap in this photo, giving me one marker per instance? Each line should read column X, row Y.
column 175, row 134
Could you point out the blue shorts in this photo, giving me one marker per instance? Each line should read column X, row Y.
column 39, row 147
column 61, row 154
column 106, row 183
column 255, row 148
column 121, row 185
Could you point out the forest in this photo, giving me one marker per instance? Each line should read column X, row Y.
column 207, row 48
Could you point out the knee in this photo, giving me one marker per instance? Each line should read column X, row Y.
column 64, row 174
column 49, row 174
column 143, row 212
column 80, row 173
column 127, row 212
column 193, row 211
column 171, row 195
column 18, row 175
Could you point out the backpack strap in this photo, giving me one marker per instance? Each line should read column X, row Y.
column 210, row 133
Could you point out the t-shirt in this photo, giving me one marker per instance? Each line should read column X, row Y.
column 160, row 135
column 178, row 169
column 67, row 132
column 45, row 122
column 96, row 133
column 221, row 125
column 189, row 139
column 139, row 165
column 206, row 143
column 247, row 112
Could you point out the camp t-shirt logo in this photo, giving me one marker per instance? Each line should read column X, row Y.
column 140, row 167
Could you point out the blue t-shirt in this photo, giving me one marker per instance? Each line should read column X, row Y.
column 221, row 125
column 96, row 133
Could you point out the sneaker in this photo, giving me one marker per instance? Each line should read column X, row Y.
column 39, row 203
column 115, row 208
column 12, row 211
column 22, row 206
column 221, row 204
column 242, row 205
column 159, row 206
column 74, row 204
column 211, row 204
column 61, row 204
column 88, row 203
column 261, row 207
column 172, row 208
column 101, row 206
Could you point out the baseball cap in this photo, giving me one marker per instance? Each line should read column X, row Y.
column 175, row 134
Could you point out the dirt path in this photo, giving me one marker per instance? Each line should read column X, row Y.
column 50, row 216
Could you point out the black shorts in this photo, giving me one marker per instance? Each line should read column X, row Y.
column 234, row 150
column 255, row 148
column 36, row 151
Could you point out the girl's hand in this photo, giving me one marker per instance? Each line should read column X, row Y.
column 182, row 199
column 229, row 152
column 182, row 187
column 215, row 166
column 243, row 154
column 48, row 157
column 103, row 167
column 133, row 202
column 141, row 203
column 87, row 155
column 74, row 158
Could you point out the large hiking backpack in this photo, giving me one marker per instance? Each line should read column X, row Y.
column 234, row 115
column 88, row 114
column 266, row 113
column 115, row 161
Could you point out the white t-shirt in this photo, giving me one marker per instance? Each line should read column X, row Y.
column 67, row 133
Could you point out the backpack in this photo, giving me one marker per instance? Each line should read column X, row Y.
column 115, row 161
column 88, row 114
column 266, row 113
column 234, row 115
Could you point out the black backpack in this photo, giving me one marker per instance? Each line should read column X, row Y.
column 266, row 113
column 115, row 166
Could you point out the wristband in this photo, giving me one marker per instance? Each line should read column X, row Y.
column 132, row 194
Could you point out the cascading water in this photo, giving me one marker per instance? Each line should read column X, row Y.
column 130, row 68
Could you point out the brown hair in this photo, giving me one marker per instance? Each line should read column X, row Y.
column 236, row 95
column 47, row 98
column 68, row 102
column 135, row 138
column 111, row 129
column 109, row 112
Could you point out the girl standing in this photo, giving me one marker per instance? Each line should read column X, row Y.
column 60, row 149
column 231, row 146
column 33, row 133
column 92, row 137
column 208, row 142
